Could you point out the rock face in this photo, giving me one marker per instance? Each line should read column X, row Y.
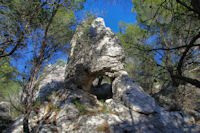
column 73, row 107
column 100, row 53
column 133, row 96
column 53, row 79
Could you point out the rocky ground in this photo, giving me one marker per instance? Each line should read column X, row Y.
column 78, row 111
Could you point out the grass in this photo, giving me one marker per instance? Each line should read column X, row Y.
column 80, row 107
column 104, row 108
column 104, row 128
column 102, row 101
column 100, row 109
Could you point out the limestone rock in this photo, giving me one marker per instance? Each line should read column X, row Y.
column 61, row 113
column 4, row 109
column 16, row 127
column 100, row 54
column 133, row 96
column 51, row 80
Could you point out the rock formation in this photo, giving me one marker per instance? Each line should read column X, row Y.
column 72, row 107
column 97, row 54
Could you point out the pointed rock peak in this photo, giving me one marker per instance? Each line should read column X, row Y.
column 98, row 22
column 95, row 51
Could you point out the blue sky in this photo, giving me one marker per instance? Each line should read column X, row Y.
column 112, row 13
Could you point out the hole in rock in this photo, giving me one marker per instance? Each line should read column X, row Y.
column 102, row 88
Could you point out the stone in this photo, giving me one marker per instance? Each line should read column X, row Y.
column 16, row 127
column 118, row 117
column 51, row 80
column 132, row 95
column 65, row 117
column 4, row 109
column 101, row 54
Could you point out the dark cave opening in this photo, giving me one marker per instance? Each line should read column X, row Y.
column 102, row 88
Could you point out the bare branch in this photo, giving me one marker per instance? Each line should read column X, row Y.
column 175, row 48
column 189, row 46
column 18, row 42
column 194, row 82
column 189, row 8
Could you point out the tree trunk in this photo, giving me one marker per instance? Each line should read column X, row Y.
column 26, row 123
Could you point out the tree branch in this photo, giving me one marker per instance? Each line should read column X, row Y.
column 18, row 42
column 194, row 82
column 175, row 48
column 189, row 46
column 189, row 8
column 46, row 31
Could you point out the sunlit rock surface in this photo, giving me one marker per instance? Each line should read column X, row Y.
column 99, row 54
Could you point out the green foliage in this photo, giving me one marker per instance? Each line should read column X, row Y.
column 102, row 101
column 160, row 24
column 24, row 21
column 15, row 112
column 37, row 104
column 19, row 17
column 104, row 108
column 146, row 9
column 106, row 80
column 61, row 62
column 80, row 107
column 24, row 11
column 132, row 38
column 85, row 26
column 60, row 31
column 8, row 86
column 135, row 41
column 33, row 31
column 57, row 109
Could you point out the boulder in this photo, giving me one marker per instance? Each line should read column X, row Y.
column 132, row 95
column 51, row 80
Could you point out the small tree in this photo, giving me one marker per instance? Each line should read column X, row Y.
column 39, row 28
column 171, row 36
